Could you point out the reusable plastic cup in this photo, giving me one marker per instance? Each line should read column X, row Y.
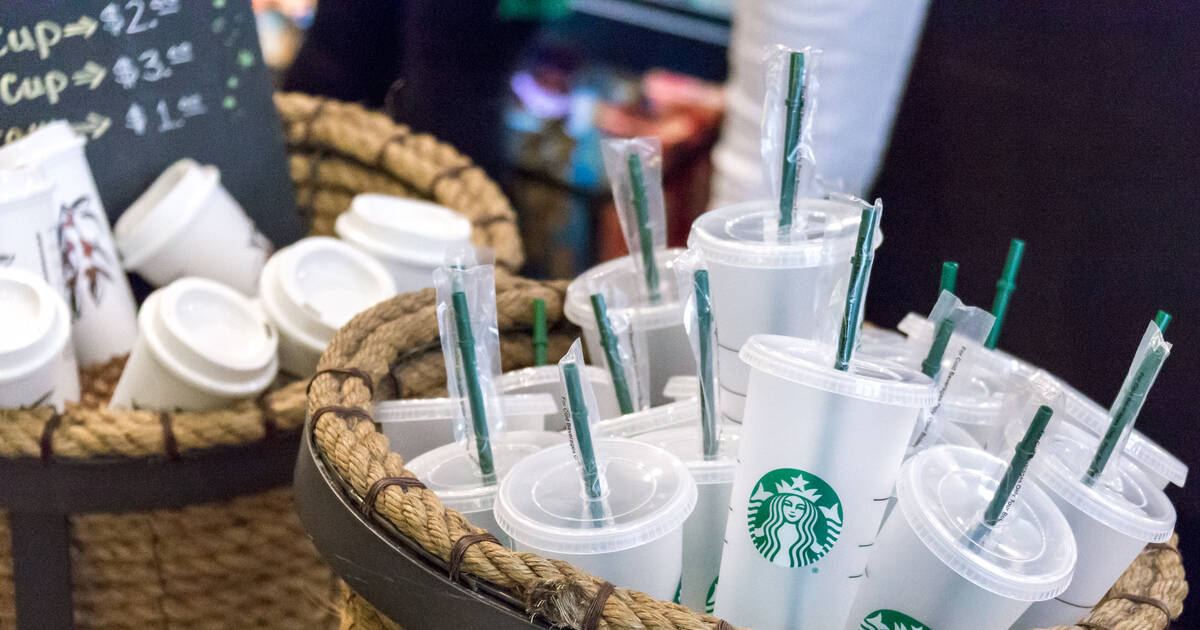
column 544, row 379
column 675, row 414
column 202, row 346
column 1112, row 520
column 103, row 311
column 311, row 289
column 29, row 225
column 410, row 237
column 37, row 361
column 704, row 530
column 667, row 349
column 452, row 473
column 681, row 387
column 187, row 224
column 762, row 284
column 938, row 566
column 419, row 425
column 819, row 456
column 638, row 543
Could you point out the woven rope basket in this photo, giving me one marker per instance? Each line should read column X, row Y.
column 396, row 342
column 244, row 562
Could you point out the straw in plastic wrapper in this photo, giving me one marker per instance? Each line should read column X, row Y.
column 692, row 279
column 579, row 400
column 789, row 105
column 634, row 167
column 627, row 359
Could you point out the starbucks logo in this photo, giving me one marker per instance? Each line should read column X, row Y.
column 710, row 600
column 794, row 517
column 891, row 620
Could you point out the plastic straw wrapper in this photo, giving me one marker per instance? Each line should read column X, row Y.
column 634, row 167
column 631, row 345
column 700, row 326
column 580, row 412
column 789, row 105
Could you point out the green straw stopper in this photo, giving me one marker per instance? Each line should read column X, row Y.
column 540, row 339
column 1162, row 320
column 582, row 433
column 612, row 354
column 645, row 235
column 860, row 272
column 1004, row 289
column 791, row 138
column 708, row 403
column 949, row 277
column 1016, row 468
column 932, row 364
column 1125, row 410
column 470, row 369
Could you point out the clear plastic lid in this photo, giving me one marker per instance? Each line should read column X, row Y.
column 649, row 494
column 687, row 443
column 823, row 232
column 811, row 363
column 451, row 472
column 673, row 414
column 541, row 375
column 1028, row 556
column 443, row 408
column 977, row 397
column 920, row 330
column 682, row 386
column 939, row 433
column 881, row 338
column 620, row 276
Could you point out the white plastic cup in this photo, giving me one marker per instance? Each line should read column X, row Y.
column 453, row 474
column 763, row 286
column 639, row 545
column 187, row 224
column 668, row 352
column 410, row 237
column 311, row 289
column 104, row 313
column 419, row 425
column 545, row 379
column 29, row 225
column 202, row 346
column 819, row 456
column 928, row 571
column 37, row 360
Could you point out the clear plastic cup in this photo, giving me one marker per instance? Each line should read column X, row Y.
column 675, row 414
column 761, row 285
column 453, row 474
column 638, row 543
column 681, row 388
column 544, row 379
column 1112, row 520
column 819, row 456
column 667, row 349
column 704, row 530
column 37, row 361
column 933, row 567
column 419, row 425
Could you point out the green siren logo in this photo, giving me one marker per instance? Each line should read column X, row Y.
column 794, row 517
column 891, row 620
column 710, row 601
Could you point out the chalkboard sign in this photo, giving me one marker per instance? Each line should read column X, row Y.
column 149, row 82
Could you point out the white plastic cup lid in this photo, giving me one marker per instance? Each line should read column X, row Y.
column 18, row 184
column 811, row 363
column 674, row 414
column 824, row 232
column 47, row 140
column 165, row 208
column 34, row 323
column 403, row 229
column 687, row 443
column 621, row 275
column 542, row 504
column 1029, row 556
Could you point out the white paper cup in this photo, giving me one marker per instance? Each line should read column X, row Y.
column 820, row 452
column 311, row 289
column 763, row 286
column 419, row 425
column 545, row 379
column 187, row 224
column 542, row 508
column 202, row 346
column 928, row 572
column 668, row 352
column 410, row 237
column 97, row 292
column 29, row 225
column 37, row 361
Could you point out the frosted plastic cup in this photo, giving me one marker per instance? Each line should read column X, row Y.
column 762, row 286
column 544, row 379
column 29, row 225
column 1112, row 520
column 104, row 314
column 453, row 474
column 419, row 425
column 37, row 361
column 675, row 414
column 935, row 435
column 639, row 543
column 668, row 351
column 202, row 346
column 311, row 289
column 410, row 237
column 928, row 572
column 704, row 530
column 187, row 224
column 820, row 452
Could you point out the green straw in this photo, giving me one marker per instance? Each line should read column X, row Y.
column 645, row 235
column 860, row 272
column 1016, row 468
column 932, row 364
column 791, row 137
column 466, row 349
column 708, row 412
column 612, row 354
column 1125, row 410
column 583, row 440
column 1004, row 289
column 540, row 340
column 949, row 277
column 1162, row 320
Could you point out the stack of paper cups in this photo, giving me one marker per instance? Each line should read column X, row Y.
column 104, row 313
column 819, row 456
column 29, row 225
column 418, row 425
column 544, row 379
column 202, row 346
column 37, row 361
column 938, row 566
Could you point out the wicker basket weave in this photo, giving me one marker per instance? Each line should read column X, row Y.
column 396, row 341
